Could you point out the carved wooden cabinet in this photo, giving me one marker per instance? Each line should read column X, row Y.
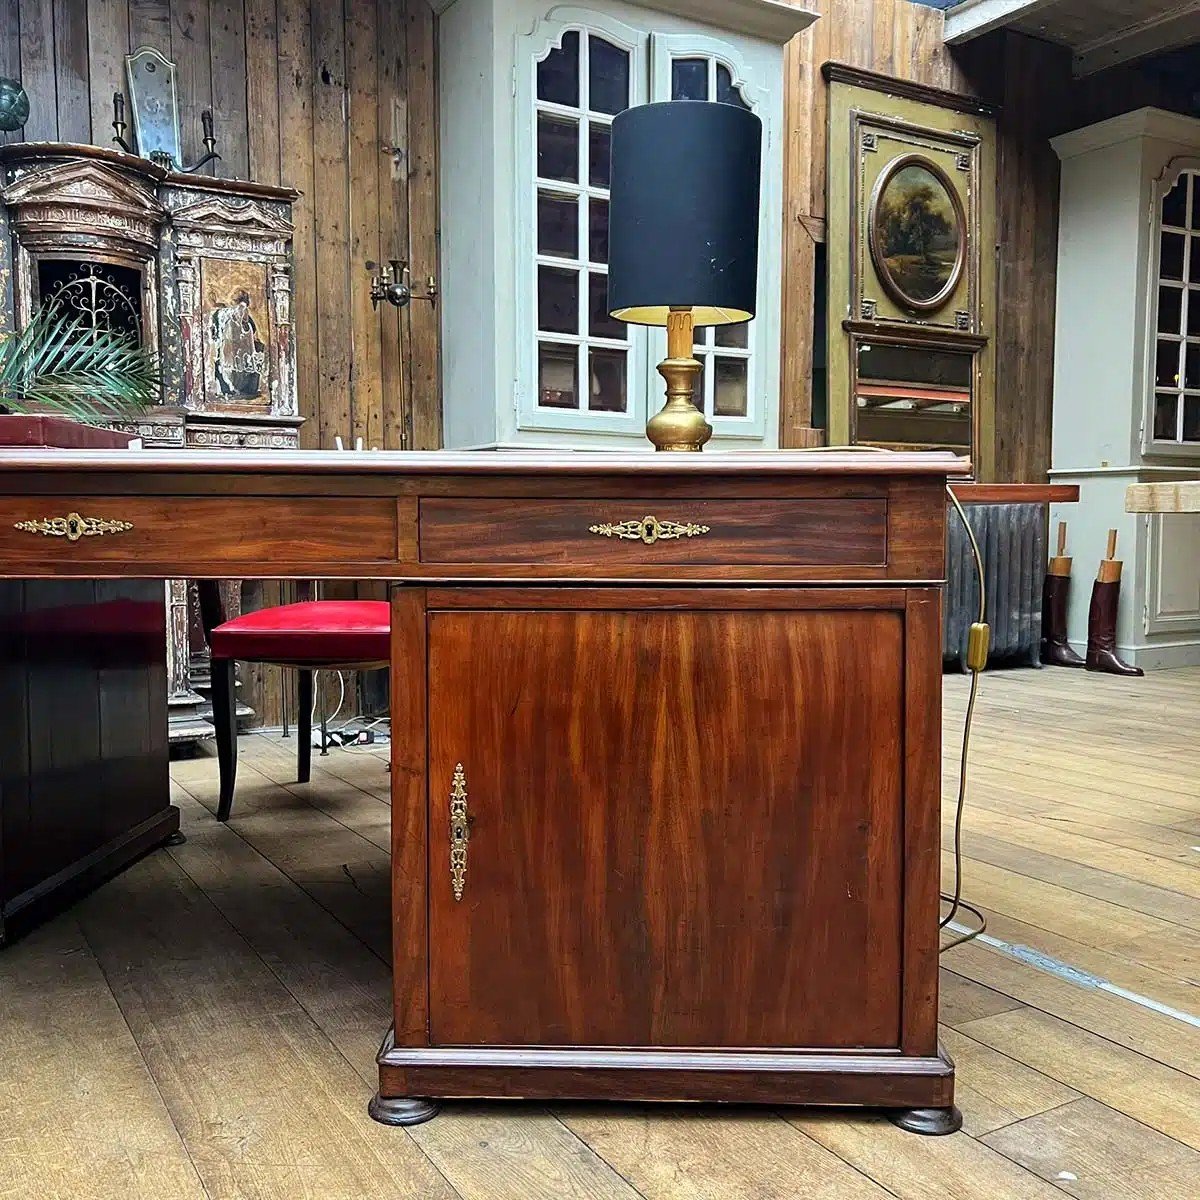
column 198, row 269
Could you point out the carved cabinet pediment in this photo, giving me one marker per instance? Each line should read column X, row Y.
column 82, row 206
column 198, row 268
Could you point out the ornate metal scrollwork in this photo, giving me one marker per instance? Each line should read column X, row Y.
column 460, row 832
column 649, row 530
column 73, row 526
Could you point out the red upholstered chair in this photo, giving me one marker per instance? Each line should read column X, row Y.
column 308, row 636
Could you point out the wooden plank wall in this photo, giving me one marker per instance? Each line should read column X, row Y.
column 894, row 37
column 305, row 93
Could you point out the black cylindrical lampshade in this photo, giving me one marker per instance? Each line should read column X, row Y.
column 683, row 214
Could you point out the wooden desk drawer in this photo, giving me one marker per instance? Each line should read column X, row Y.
column 783, row 532
column 148, row 529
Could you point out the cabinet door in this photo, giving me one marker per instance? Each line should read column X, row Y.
column 685, row 828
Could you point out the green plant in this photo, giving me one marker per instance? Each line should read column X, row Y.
column 59, row 364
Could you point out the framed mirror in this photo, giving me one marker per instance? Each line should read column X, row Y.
column 155, row 103
column 913, row 397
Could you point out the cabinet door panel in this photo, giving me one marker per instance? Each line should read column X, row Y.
column 685, row 828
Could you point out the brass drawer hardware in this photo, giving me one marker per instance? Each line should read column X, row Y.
column 73, row 526
column 460, row 832
column 649, row 530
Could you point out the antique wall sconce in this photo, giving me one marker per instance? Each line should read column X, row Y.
column 394, row 284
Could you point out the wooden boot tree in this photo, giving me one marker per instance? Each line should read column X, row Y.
column 1102, row 616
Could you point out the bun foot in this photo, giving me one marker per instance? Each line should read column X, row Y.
column 933, row 1122
column 401, row 1110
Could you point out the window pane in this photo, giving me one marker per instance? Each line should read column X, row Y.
column 606, row 390
column 1174, row 205
column 735, row 336
column 1171, row 260
column 1166, row 365
column 558, row 73
column 600, row 324
column 698, row 386
column 608, row 77
column 1195, row 182
column 689, row 79
column 557, row 148
column 726, row 92
column 598, row 231
column 1191, row 418
column 558, row 376
column 1170, row 310
column 558, row 300
column 1191, row 367
column 558, row 225
column 600, row 155
column 730, row 387
column 1164, row 417
column 1193, row 312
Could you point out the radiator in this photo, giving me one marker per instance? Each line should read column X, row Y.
column 1012, row 540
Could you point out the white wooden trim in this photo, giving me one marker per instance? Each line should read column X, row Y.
column 1150, row 445
column 532, row 48
column 1156, row 620
column 1141, row 123
column 973, row 18
column 773, row 20
column 762, row 383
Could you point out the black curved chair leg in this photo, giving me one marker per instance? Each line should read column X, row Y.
column 224, row 703
column 304, row 711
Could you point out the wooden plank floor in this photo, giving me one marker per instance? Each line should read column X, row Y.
column 206, row 1024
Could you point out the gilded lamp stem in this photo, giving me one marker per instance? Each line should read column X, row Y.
column 680, row 425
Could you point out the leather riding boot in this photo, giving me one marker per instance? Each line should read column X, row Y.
column 1102, row 631
column 1055, row 650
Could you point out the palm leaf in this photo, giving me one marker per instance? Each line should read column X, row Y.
column 59, row 364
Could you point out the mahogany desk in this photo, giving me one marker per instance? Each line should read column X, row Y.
column 665, row 757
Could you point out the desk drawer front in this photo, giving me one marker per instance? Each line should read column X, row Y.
column 615, row 533
column 145, row 529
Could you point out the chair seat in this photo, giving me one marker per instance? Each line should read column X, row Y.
column 321, row 632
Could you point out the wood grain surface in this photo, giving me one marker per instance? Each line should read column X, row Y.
column 796, row 533
column 640, row 872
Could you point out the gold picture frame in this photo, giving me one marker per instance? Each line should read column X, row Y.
column 917, row 228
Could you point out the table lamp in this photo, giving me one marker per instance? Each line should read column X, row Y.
column 683, row 238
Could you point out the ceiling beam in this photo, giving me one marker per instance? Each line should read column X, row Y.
column 1177, row 26
column 973, row 18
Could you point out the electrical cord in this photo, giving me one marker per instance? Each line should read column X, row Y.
column 977, row 652
column 976, row 666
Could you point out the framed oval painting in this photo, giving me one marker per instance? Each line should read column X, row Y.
column 918, row 233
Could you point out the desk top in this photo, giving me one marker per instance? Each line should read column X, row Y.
column 478, row 464
column 750, row 517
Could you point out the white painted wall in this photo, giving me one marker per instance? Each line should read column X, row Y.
column 1102, row 384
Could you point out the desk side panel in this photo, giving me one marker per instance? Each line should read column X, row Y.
column 922, row 818
column 410, row 939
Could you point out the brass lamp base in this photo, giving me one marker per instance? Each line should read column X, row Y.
column 680, row 425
